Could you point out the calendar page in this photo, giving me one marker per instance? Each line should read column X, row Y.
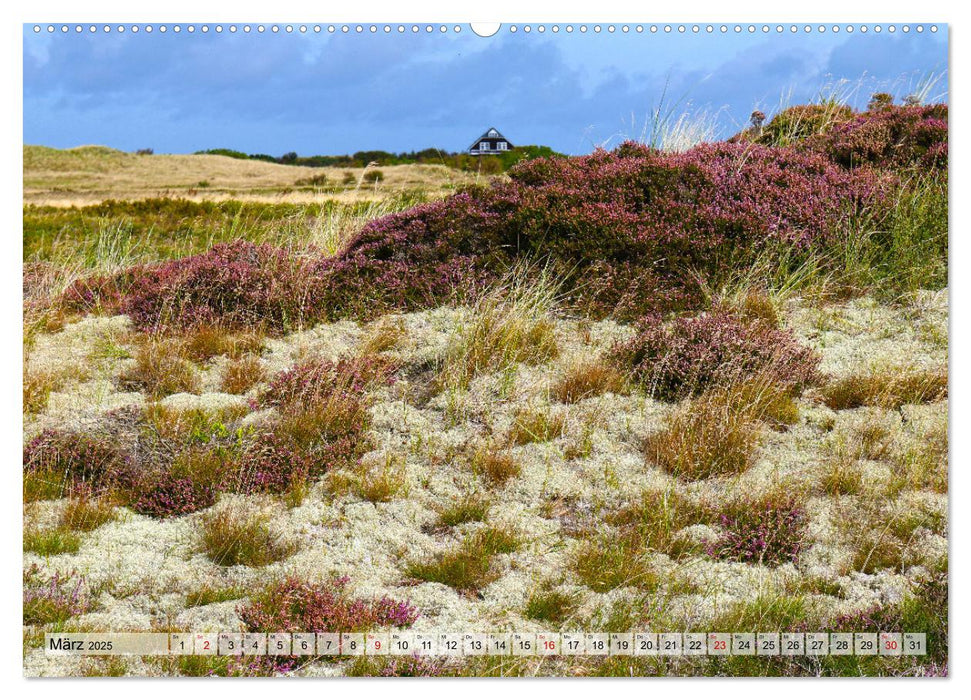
column 443, row 349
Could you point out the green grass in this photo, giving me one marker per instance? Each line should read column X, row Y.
column 551, row 606
column 137, row 231
column 51, row 541
column 605, row 565
column 468, row 567
column 468, row 509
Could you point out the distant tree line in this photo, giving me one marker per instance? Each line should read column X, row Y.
column 429, row 156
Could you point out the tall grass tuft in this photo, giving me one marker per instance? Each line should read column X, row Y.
column 509, row 324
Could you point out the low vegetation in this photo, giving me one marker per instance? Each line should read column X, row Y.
column 693, row 387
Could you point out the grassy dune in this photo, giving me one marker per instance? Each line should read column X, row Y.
column 90, row 174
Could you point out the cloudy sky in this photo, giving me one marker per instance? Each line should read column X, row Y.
column 338, row 93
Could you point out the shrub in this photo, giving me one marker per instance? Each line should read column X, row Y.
column 626, row 233
column 233, row 285
column 231, row 538
column 889, row 137
column 71, row 463
column 623, row 228
column 273, row 464
column 769, row 532
column 316, row 380
column 692, row 354
column 162, row 494
column 373, row 177
column 55, row 601
column 292, row 605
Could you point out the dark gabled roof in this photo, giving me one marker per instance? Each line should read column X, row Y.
column 486, row 136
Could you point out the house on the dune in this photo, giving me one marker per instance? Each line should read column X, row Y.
column 490, row 143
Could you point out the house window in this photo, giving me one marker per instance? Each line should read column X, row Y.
column 483, row 145
column 502, row 145
column 493, row 132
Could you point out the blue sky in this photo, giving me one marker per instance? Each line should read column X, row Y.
column 339, row 93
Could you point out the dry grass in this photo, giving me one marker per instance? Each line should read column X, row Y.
column 868, row 439
column 469, row 509
column 587, row 377
column 705, row 437
column 43, row 486
column 232, row 537
column 510, row 324
column 161, row 368
column 92, row 174
column 654, row 520
column 241, row 375
column 924, row 465
column 208, row 341
column 380, row 483
column 85, row 514
column 190, row 426
column 495, row 466
column 49, row 542
column 890, row 387
column 383, row 335
column 718, row 432
column 884, row 535
column 38, row 385
column 841, row 477
column 551, row 606
column 311, row 424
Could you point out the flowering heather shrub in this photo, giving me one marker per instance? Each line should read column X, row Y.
column 293, row 605
column 54, row 601
column 625, row 228
column 81, row 464
column 889, row 137
column 691, row 354
column 164, row 494
column 768, row 533
column 398, row 667
column 321, row 423
column 233, row 285
column 627, row 225
column 272, row 464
